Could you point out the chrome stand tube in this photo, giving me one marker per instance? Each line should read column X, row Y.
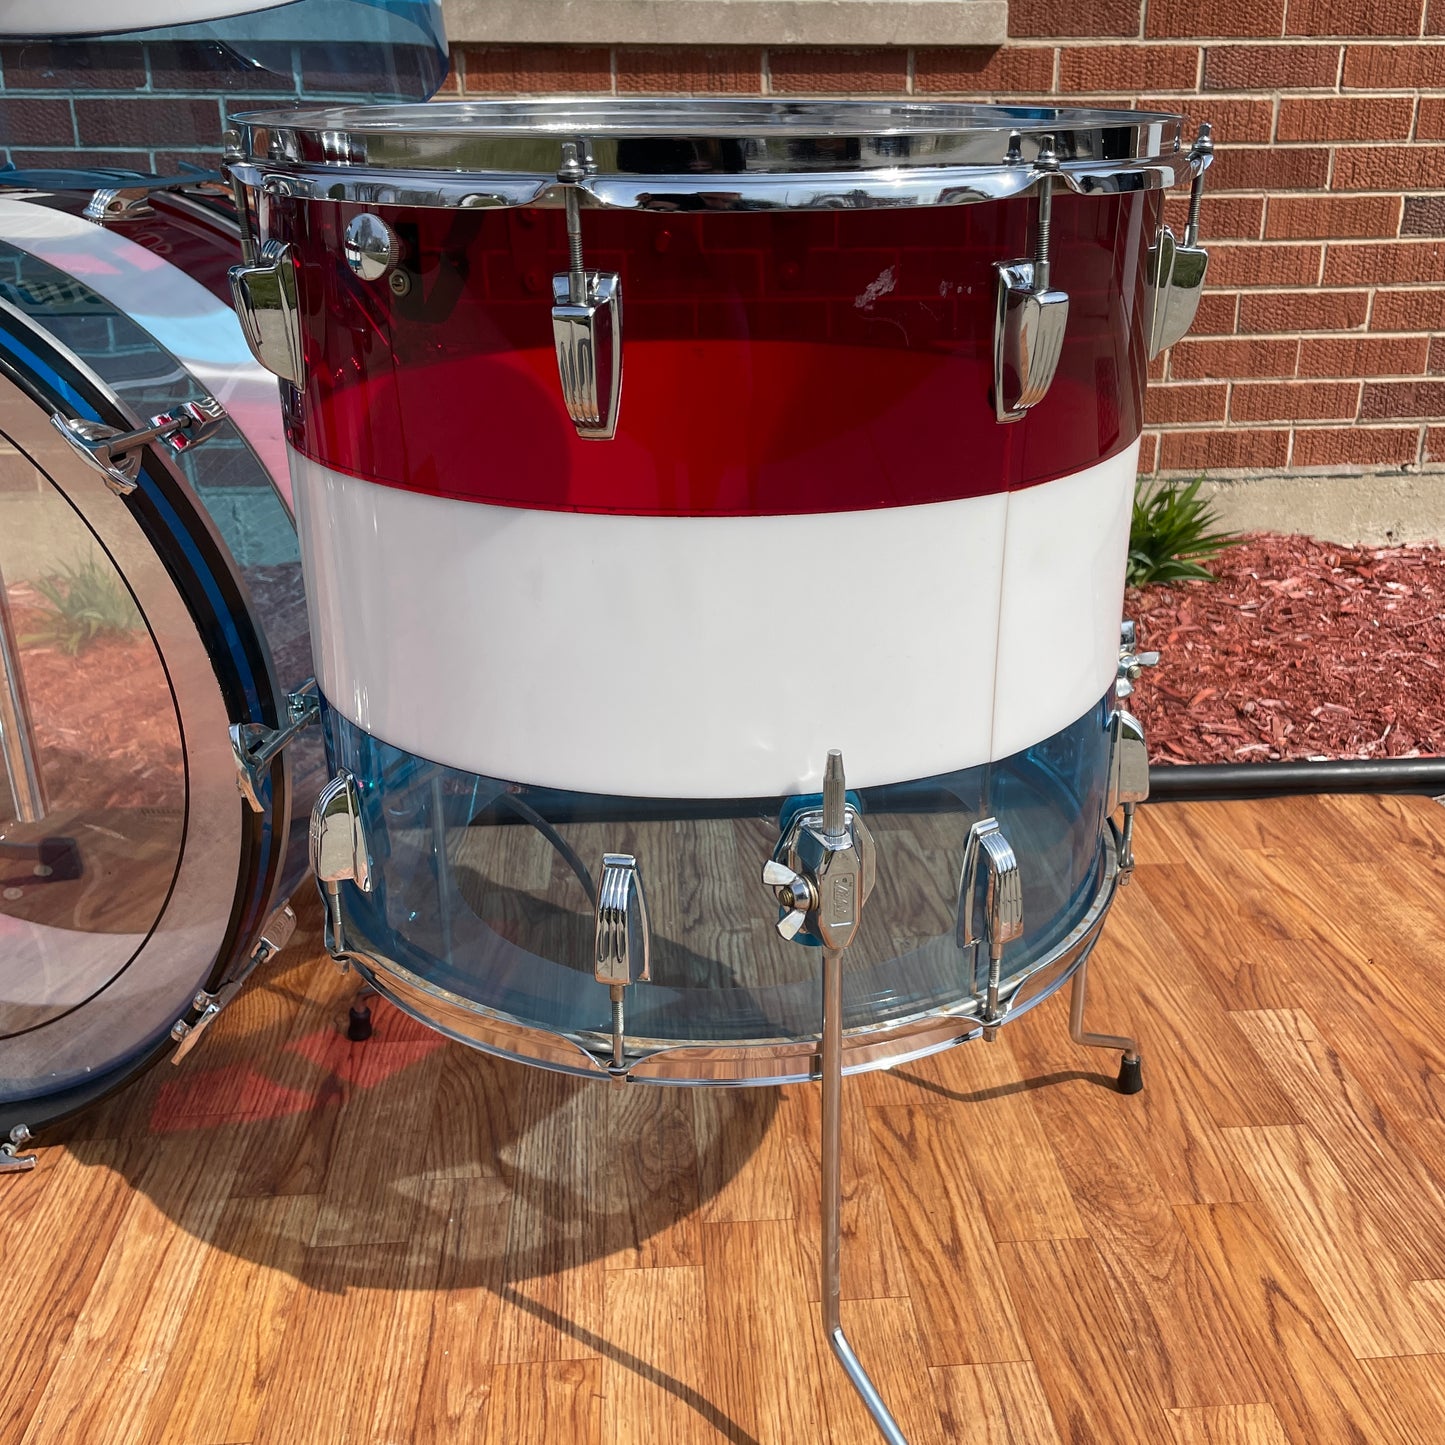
column 17, row 735
column 832, row 1068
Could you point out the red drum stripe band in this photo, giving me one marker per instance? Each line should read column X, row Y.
column 773, row 365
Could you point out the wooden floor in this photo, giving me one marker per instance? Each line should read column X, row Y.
column 291, row 1238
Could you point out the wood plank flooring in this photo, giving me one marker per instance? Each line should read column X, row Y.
column 295, row 1240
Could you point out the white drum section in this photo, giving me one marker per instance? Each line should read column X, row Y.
column 697, row 656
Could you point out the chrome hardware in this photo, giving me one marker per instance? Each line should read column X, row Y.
column 623, row 945
column 264, row 291
column 119, row 203
column 17, row 734
column 116, row 454
column 1131, row 1079
column 370, row 246
column 822, row 871
column 254, row 746
column 1128, row 781
column 586, row 321
column 339, row 850
column 275, row 935
column 11, row 1160
column 1131, row 663
column 1174, row 275
column 1031, row 317
column 131, row 201
column 765, row 154
column 990, row 905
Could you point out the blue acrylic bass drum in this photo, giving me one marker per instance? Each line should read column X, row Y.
column 151, row 600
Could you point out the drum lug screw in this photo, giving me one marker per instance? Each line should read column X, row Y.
column 586, row 320
column 622, row 951
column 340, row 852
column 1128, row 781
column 264, row 291
column 991, row 891
column 1031, row 316
column 1174, row 275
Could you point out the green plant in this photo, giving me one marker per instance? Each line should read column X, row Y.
column 1172, row 530
column 84, row 603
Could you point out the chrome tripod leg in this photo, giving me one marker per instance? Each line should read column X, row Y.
column 833, row 1195
column 1131, row 1079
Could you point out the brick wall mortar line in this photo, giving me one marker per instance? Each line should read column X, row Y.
column 766, row 71
column 911, row 71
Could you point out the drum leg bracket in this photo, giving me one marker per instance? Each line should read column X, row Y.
column 1131, row 1078
column 820, row 875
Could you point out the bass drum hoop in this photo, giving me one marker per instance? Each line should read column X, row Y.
column 207, row 685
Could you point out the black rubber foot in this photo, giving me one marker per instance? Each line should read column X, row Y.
column 358, row 1026
column 1131, row 1076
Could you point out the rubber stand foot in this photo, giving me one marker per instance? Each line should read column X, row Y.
column 1131, row 1076
column 358, row 1025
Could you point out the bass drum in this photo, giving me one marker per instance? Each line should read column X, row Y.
column 135, row 630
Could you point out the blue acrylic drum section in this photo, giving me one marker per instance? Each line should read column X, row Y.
column 481, row 911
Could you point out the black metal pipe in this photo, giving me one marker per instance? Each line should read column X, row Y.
column 1177, row 783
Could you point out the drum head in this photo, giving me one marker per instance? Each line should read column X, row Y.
column 131, row 875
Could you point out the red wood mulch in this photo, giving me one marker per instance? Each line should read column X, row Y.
column 1300, row 649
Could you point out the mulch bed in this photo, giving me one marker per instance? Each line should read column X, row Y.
column 1300, row 649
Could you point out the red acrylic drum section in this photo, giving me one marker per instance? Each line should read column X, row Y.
column 775, row 364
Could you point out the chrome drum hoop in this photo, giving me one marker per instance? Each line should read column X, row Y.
column 742, row 155
column 765, row 1062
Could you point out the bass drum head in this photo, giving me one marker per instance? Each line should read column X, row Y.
column 143, row 878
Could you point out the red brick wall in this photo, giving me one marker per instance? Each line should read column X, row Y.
column 1320, row 344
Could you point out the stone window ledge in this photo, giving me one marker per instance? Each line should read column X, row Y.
column 727, row 22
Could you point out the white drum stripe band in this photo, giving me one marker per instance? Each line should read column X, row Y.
column 714, row 657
